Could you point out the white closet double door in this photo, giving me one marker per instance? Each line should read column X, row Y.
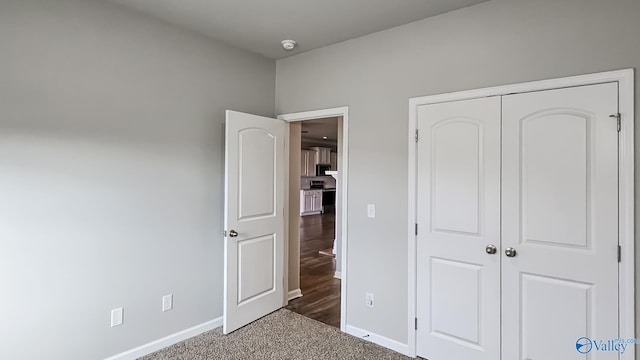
column 518, row 214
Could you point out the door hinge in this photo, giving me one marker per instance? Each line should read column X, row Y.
column 619, row 253
column 416, row 323
column 416, row 228
column 224, row 233
column 618, row 118
column 416, row 135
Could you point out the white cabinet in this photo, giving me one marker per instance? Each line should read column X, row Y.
column 323, row 155
column 334, row 161
column 310, row 202
column 317, row 201
column 307, row 163
column 316, row 155
column 304, row 160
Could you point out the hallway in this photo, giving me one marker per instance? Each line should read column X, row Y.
column 320, row 290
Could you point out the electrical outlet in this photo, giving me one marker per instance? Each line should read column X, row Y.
column 369, row 299
column 167, row 302
column 371, row 211
column 117, row 316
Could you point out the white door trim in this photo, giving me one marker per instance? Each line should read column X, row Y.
column 625, row 79
column 316, row 114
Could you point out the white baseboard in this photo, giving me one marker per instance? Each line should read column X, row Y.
column 167, row 341
column 337, row 275
column 380, row 340
column 294, row 294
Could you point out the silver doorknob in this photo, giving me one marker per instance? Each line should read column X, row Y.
column 233, row 233
column 491, row 249
column 510, row 252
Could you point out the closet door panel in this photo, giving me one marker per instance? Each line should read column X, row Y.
column 458, row 217
column 560, row 214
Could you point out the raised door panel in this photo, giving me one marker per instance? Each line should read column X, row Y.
column 317, row 200
column 256, row 258
column 257, row 155
column 311, row 164
column 456, row 176
column 316, row 155
column 554, row 177
column 560, row 213
column 304, row 159
column 303, row 202
column 459, row 213
column 455, row 295
column 308, row 201
column 545, row 302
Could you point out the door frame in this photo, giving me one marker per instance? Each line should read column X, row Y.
column 344, row 146
column 626, row 280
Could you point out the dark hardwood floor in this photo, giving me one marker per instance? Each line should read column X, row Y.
column 320, row 290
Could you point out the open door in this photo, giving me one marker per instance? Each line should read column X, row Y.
column 253, row 218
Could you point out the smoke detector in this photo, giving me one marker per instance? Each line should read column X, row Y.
column 288, row 44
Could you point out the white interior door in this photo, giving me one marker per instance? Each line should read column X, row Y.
column 254, row 218
column 560, row 214
column 458, row 189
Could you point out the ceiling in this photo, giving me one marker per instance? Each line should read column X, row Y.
column 315, row 130
column 260, row 25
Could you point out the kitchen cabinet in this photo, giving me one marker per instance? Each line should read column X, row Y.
column 323, row 155
column 304, row 158
column 334, row 161
column 310, row 202
column 307, row 163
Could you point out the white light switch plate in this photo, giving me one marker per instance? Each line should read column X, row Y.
column 167, row 302
column 117, row 316
column 371, row 211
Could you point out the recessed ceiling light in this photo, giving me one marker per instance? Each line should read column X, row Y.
column 288, row 44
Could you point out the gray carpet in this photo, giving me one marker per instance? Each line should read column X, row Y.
column 281, row 335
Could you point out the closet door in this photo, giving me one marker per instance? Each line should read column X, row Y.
column 560, row 216
column 458, row 243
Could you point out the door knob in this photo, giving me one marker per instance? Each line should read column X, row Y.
column 491, row 249
column 510, row 252
column 233, row 233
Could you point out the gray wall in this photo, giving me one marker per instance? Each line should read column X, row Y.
column 111, row 183
column 499, row 42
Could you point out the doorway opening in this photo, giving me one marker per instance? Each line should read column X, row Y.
column 319, row 284
column 316, row 215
